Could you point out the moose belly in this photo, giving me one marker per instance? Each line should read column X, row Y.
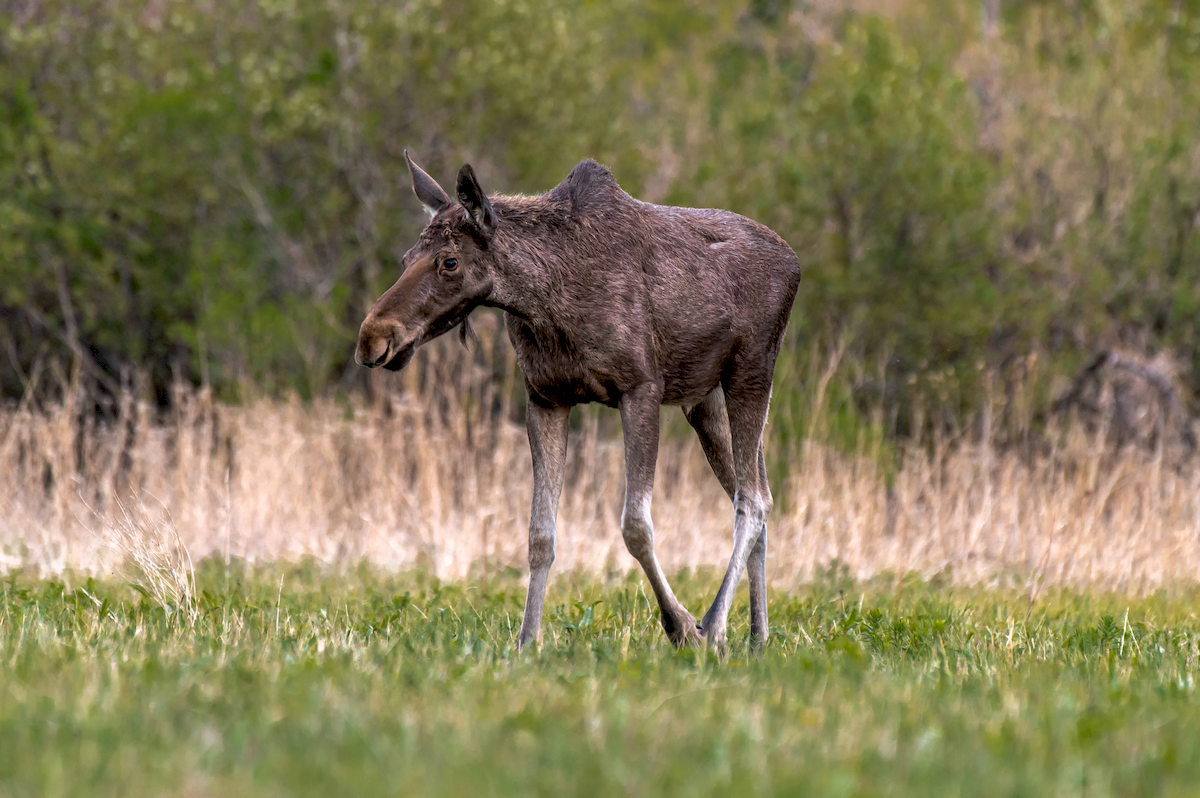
column 564, row 384
column 563, row 375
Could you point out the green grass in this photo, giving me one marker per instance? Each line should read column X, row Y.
column 360, row 685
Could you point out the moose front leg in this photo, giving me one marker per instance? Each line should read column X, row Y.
column 547, row 428
column 639, row 419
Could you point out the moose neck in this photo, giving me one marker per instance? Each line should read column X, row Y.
column 526, row 248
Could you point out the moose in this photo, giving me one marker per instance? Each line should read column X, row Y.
column 610, row 299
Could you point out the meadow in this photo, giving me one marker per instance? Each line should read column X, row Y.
column 291, row 681
column 322, row 598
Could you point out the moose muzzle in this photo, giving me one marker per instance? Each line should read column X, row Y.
column 382, row 343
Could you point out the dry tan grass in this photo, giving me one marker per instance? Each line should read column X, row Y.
column 432, row 474
column 157, row 560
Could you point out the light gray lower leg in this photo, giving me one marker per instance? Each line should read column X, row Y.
column 746, row 403
column 710, row 420
column 747, row 530
column 548, row 444
column 639, row 419
column 757, row 571
column 756, row 568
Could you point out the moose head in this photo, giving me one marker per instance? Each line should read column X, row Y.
column 447, row 274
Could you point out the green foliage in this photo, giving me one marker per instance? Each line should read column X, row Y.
column 310, row 683
column 222, row 193
column 876, row 179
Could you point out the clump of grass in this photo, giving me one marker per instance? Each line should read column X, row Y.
column 158, row 564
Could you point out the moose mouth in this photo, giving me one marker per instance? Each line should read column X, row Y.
column 395, row 358
column 402, row 357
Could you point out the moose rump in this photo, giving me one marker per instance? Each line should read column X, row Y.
column 612, row 300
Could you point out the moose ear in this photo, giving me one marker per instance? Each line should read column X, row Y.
column 431, row 195
column 475, row 201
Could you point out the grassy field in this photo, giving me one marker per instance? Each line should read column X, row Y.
column 1044, row 642
column 307, row 682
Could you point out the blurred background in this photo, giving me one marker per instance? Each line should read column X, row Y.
column 995, row 204
column 216, row 192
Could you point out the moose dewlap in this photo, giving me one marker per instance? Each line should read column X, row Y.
column 609, row 299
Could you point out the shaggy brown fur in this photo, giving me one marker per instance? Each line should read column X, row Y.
column 612, row 300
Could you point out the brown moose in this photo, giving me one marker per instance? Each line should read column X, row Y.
column 613, row 300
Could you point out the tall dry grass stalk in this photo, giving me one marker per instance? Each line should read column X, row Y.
column 434, row 474
column 158, row 562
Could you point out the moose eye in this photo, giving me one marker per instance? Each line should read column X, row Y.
column 450, row 263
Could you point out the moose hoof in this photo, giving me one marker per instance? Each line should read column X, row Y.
column 682, row 630
column 715, row 637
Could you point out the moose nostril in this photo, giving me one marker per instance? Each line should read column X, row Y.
column 373, row 354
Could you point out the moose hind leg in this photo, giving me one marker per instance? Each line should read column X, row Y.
column 548, row 444
column 639, row 418
column 756, row 571
column 746, row 401
column 711, row 423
